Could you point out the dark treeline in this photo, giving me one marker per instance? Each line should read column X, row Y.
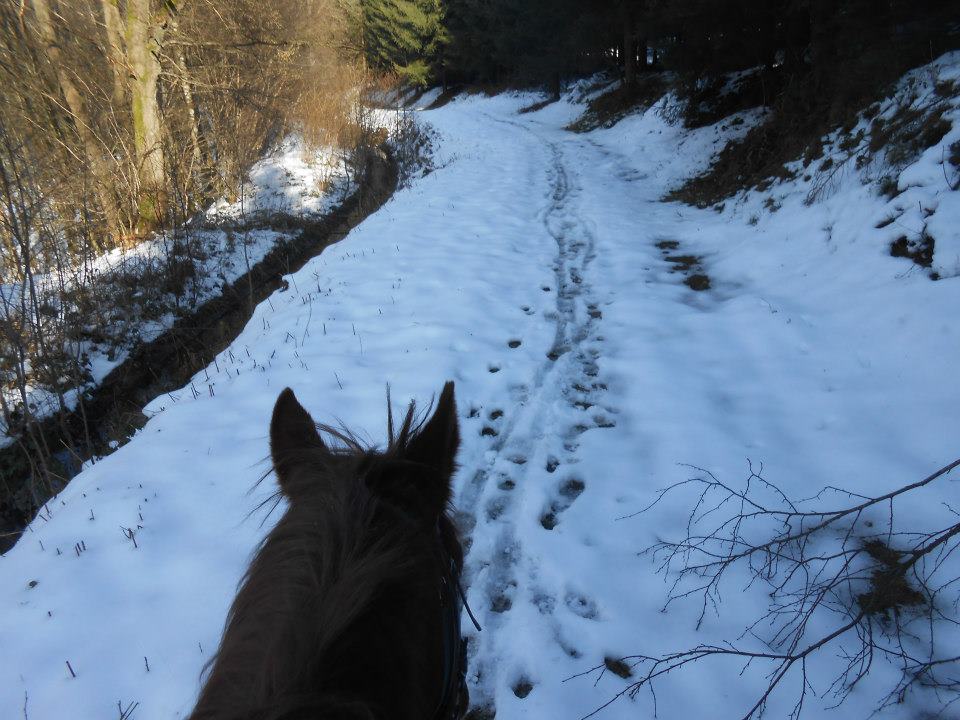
column 542, row 42
column 813, row 63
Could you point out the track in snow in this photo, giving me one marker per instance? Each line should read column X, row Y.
column 525, row 453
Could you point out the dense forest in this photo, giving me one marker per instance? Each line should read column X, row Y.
column 120, row 118
column 813, row 63
column 537, row 42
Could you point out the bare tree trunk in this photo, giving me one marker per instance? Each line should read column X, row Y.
column 629, row 50
column 143, row 59
column 100, row 167
column 187, row 89
column 115, row 50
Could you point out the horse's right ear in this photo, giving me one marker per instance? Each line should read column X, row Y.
column 292, row 431
column 435, row 445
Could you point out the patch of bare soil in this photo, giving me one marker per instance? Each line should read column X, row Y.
column 611, row 107
column 695, row 277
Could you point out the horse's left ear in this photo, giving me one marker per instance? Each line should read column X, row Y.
column 438, row 440
column 292, row 431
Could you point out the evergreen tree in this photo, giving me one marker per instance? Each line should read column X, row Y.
column 524, row 41
column 405, row 37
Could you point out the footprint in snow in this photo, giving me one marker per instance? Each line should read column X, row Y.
column 602, row 421
column 496, row 507
column 545, row 602
column 481, row 712
column 568, row 491
column 581, row 605
column 522, row 687
column 501, row 602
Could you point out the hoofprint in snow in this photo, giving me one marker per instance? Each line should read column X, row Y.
column 530, row 268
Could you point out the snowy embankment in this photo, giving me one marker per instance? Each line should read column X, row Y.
column 531, row 268
column 133, row 287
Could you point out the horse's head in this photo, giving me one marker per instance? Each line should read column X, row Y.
column 350, row 606
column 412, row 474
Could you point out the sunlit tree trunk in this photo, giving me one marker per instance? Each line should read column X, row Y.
column 186, row 88
column 115, row 51
column 144, row 32
column 100, row 167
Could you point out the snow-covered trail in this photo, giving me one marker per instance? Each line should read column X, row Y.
column 531, row 268
column 531, row 464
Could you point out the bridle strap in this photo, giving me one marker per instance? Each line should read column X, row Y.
column 463, row 599
column 454, row 658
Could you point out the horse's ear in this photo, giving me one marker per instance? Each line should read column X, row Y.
column 436, row 444
column 292, row 431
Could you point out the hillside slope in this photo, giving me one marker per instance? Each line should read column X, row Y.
column 599, row 338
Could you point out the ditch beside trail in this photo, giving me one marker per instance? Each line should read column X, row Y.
column 112, row 412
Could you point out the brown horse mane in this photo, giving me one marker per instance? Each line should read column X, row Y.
column 352, row 530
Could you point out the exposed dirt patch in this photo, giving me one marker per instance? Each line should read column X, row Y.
column 706, row 103
column 890, row 590
column 689, row 265
column 909, row 132
column 618, row 667
column 611, row 107
column 536, row 106
column 445, row 97
column 919, row 248
column 684, row 263
column 758, row 159
column 698, row 282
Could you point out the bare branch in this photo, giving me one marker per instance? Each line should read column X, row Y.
column 883, row 584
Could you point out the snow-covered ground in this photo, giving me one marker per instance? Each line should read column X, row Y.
column 293, row 180
column 531, row 269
